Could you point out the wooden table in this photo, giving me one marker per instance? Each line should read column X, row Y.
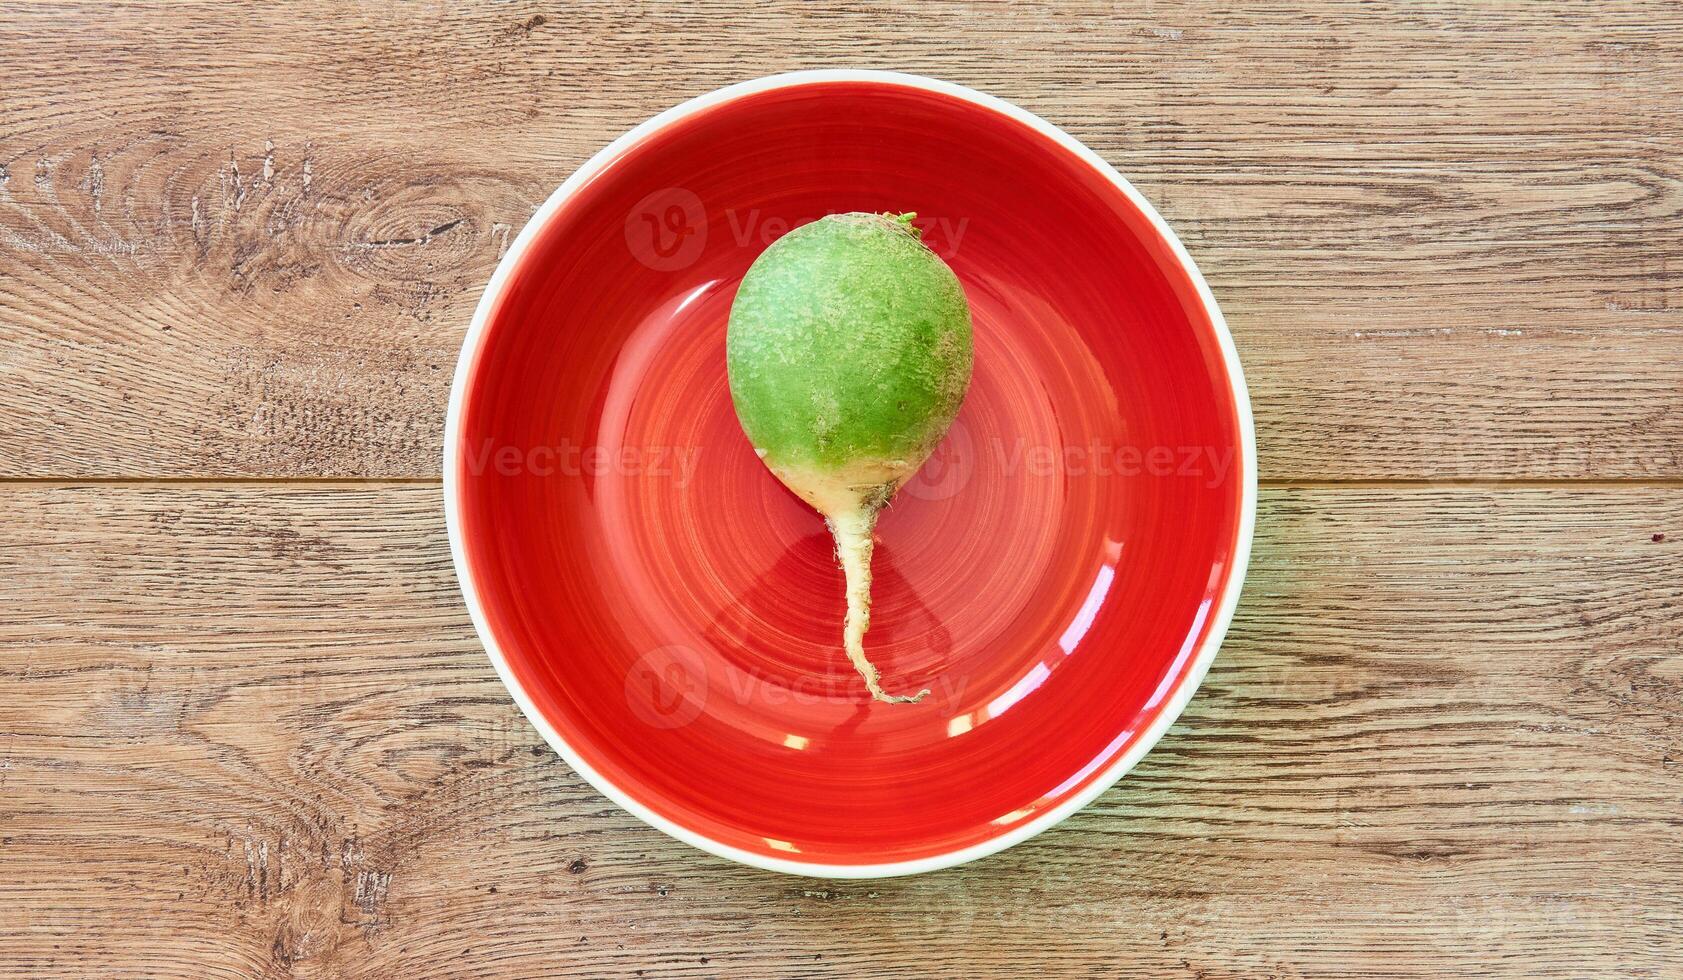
column 246, row 728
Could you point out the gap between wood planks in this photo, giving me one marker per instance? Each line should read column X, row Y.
column 1334, row 483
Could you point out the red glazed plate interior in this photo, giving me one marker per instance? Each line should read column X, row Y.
column 670, row 615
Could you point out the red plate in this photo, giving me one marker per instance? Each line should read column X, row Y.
column 669, row 616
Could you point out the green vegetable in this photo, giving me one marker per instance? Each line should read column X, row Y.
column 849, row 351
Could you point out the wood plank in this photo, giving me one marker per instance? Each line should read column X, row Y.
column 247, row 731
column 244, row 239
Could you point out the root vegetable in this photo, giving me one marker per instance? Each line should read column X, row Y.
column 849, row 352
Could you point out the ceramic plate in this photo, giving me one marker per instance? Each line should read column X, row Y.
column 669, row 616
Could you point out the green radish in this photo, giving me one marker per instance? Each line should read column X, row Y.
column 849, row 352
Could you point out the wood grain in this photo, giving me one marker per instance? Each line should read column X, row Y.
column 247, row 731
column 243, row 239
